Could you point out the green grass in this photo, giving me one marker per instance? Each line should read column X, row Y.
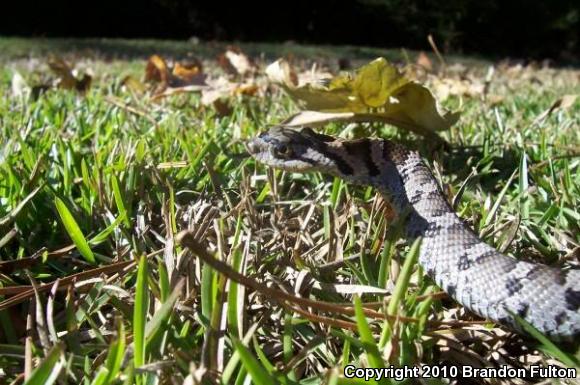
column 81, row 189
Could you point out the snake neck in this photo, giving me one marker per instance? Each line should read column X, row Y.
column 398, row 174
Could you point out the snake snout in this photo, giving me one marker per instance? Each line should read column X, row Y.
column 251, row 147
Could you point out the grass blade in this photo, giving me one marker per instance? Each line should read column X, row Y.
column 74, row 230
column 119, row 201
column 116, row 353
column 47, row 372
column 401, row 287
column 140, row 313
column 163, row 313
column 546, row 345
column 366, row 337
column 258, row 373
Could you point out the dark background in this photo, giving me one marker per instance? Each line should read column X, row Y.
column 517, row 28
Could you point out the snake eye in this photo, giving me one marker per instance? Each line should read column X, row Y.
column 282, row 151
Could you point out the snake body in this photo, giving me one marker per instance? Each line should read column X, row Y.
column 476, row 275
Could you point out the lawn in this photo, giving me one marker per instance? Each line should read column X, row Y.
column 94, row 187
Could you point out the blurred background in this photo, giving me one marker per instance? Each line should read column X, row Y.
column 492, row 28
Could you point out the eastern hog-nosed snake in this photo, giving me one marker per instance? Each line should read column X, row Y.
column 480, row 278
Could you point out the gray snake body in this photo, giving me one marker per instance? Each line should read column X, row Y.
column 477, row 276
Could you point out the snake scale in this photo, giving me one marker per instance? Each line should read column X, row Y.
column 477, row 276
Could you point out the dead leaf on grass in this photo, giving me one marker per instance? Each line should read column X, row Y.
column 19, row 86
column 562, row 103
column 188, row 72
column 66, row 77
column 179, row 75
column 189, row 77
column 133, row 85
column 376, row 92
column 424, row 61
column 443, row 88
column 235, row 62
column 220, row 90
column 156, row 70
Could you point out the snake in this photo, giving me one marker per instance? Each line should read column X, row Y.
column 490, row 284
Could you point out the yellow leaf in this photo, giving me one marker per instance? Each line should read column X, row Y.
column 376, row 82
column 376, row 92
column 133, row 84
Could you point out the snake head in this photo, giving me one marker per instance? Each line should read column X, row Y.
column 289, row 149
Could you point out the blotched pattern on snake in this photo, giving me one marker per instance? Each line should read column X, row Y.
column 476, row 275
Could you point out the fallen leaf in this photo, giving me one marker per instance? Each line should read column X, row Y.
column 376, row 83
column 181, row 77
column 156, row 70
column 222, row 107
column 424, row 61
column 178, row 90
column 134, row 85
column 494, row 100
column 563, row 103
column 66, row 79
column 445, row 87
column 210, row 95
column 234, row 62
column 316, row 118
column 63, row 71
column 189, row 73
column 19, row 86
column 246, row 89
column 282, row 73
column 567, row 101
column 376, row 92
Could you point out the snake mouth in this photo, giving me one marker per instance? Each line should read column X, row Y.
column 251, row 147
column 256, row 146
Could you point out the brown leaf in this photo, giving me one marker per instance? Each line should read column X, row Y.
column 156, row 70
column 67, row 80
column 282, row 73
column 494, row 100
column 178, row 90
column 445, row 87
column 563, row 103
column 246, row 89
column 424, row 61
column 188, row 76
column 63, row 71
column 567, row 101
column 223, row 107
column 84, row 84
column 235, row 62
column 188, row 72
